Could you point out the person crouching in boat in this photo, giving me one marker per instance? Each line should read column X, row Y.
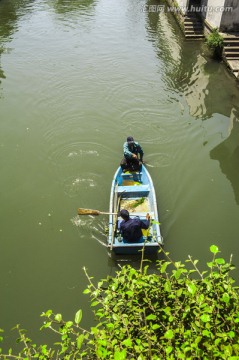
column 132, row 150
column 131, row 229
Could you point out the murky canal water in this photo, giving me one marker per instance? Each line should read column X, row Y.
column 76, row 78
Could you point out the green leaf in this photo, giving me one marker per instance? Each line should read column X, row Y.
column 192, row 288
column 80, row 340
column 206, row 333
column 164, row 266
column 205, row 318
column 155, row 327
column 169, row 334
column 95, row 303
column 120, row 355
column 78, row 316
column 214, row 249
column 169, row 349
column 231, row 334
column 127, row 342
column 69, row 324
column 151, row 317
column 226, row 298
column 210, row 264
column 155, row 222
column 58, row 317
column 86, row 291
column 220, row 261
column 167, row 286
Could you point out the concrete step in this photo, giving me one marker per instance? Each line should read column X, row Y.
column 194, row 37
column 232, row 37
column 228, row 46
column 231, row 48
column 188, row 29
column 234, row 41
column 232, row 58
column 231, row 55
column 194, row 26
column 193, row 33
column 234, row 65
column 190, row 20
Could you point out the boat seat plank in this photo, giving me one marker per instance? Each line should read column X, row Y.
column 136, row 188
column 126, row 175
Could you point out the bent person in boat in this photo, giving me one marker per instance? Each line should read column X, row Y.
column 131, row 229
column 132, row 150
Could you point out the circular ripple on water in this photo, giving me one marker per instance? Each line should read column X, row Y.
column 152, row 133
column 71, row 154
column 81, row 185
column 158, row 160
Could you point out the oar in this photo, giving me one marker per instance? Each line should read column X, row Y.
column 93, row 212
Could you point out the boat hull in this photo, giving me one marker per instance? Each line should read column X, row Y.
column 135, row 192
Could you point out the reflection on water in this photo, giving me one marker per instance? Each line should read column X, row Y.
column 10, row 13
column 189, row 69
column 66, row 6
column 227, row 154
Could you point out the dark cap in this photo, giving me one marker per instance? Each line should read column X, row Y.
column 130, row 139
column 124, row 214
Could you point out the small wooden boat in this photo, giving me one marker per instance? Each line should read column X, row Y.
column 133, row 191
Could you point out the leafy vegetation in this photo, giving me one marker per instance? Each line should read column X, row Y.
column 215, row 42
column 177, row 313
column 138, row 202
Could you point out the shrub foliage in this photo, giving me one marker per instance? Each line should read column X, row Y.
column 178, row 312
column 215, row 40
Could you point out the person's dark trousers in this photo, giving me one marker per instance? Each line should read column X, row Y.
column 131, row 164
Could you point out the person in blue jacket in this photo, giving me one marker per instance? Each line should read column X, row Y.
column 133, row 155
column 131, row 229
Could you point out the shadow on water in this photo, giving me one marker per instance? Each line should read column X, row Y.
column 227, row 154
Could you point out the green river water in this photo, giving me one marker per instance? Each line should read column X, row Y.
column 76, row 78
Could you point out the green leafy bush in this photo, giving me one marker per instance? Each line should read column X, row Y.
column 178, row 312
column 215, row 40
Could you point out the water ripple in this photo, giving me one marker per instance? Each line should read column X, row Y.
column 75, row 186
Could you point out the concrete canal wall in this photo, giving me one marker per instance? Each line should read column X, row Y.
column 230, row 20
column 221, row 14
